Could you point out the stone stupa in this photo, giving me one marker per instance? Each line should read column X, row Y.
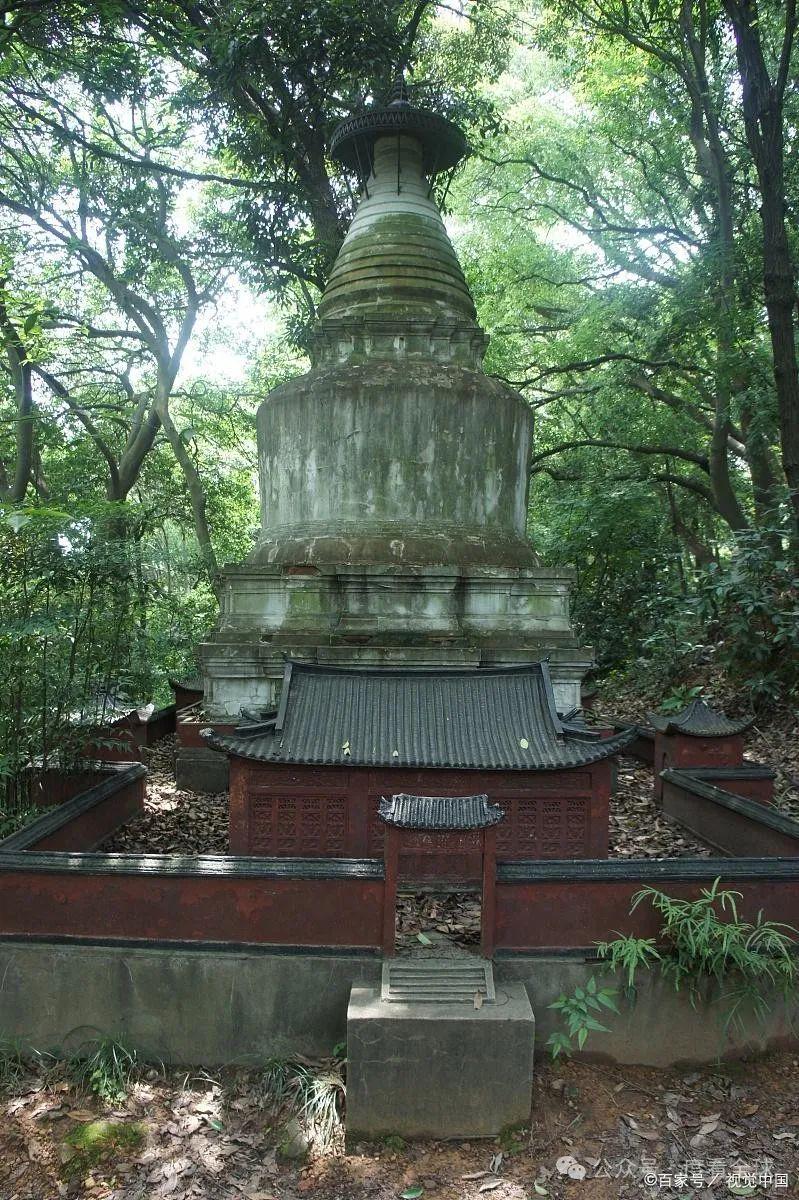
column 394, row 474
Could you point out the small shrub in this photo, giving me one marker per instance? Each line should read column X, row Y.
column 678, row 698
column 13, row 1062
column 705, row 941
column 751, row 608
column 13, row 817
column 394, row 1144
column 703, row 945
column 577, row 1012
column 629, row 954
column 108, row 1070
column 313, row 1092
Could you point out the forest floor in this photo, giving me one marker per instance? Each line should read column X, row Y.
column 599, row 1133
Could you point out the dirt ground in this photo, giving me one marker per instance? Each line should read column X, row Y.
column 598, row 1132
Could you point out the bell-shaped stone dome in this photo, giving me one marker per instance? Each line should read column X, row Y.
column 395, row 449
column 397, row 260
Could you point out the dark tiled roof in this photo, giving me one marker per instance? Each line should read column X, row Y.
column 467, row 718
column 697, row 719
column 439, row 812
column 194, row 684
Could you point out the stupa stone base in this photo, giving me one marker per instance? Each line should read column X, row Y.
column 375, row 616
column 438, row 1070
column 403, row 616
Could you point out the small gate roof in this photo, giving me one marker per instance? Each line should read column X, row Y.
column 439, row 812
column 698, row 719
column 484, row 718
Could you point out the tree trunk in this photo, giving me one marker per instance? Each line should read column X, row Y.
column 195, row 489
column 763, row 111
column 763, row 465
column 23, row 392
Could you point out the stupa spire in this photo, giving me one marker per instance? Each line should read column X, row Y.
column 397, row 260
column 399, row 92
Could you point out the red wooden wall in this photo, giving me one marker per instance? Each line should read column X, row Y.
column 278, row 810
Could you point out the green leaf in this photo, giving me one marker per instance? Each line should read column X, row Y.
column 412, row 1193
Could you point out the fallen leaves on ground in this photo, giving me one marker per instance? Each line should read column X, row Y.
column 455, row 914
column 174, row 821
column 773, row 740
column 638, row 829
column 179, row 821
column 598, row 1132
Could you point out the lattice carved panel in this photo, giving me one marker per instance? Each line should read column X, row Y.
column 544, row 827
column 298, row 826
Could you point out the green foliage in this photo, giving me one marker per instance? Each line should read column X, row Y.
column 704, row 947
column 394, row 1144
column 705, row 942
column 750, row 608
column 13, row 1062
column 577, row 1014
column 15, row 816
column 156, row 162
column 107, row 1068
column 630, row 324
column 678, row 698
column 629, row 954
column 95, row 620
column 742, row 613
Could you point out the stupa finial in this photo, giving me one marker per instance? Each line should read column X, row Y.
column 398, row 95
column 442, row 142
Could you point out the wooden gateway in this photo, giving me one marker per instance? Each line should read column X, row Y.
column 307, row 779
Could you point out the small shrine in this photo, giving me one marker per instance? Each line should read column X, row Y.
column 696, row 736
column 309, row 777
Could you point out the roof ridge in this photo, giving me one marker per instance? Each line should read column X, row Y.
column 307, row 666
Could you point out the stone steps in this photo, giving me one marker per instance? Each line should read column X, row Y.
column 428, row 980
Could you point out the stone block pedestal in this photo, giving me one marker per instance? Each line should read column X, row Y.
column 438, row 1070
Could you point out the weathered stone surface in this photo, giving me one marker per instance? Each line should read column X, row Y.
column 198, row 769
column 394, row 462
column 397, row 259
column 438, row 1069
column 177, row 1004
column 393, row 479
column 295, row 1142
column 381, row 615
column 395, row 448
column 210, row 1005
